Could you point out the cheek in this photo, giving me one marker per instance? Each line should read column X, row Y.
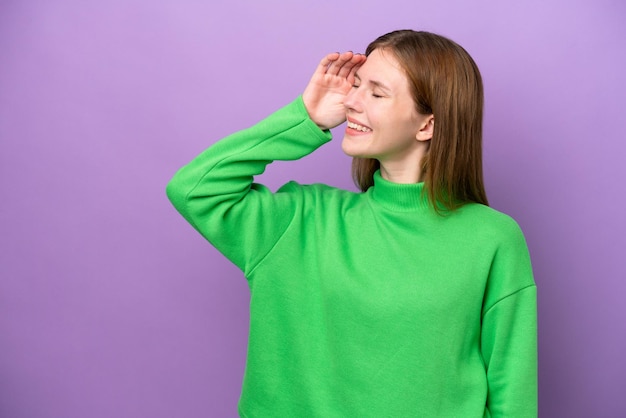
column 385, row 114
column 376, row 116
column 408, row 122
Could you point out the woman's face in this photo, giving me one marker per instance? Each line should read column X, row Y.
column 382, row 121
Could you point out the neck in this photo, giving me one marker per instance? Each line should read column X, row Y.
column 398, row 197
column 406, row 169
column 401, row 175
column 402, row 172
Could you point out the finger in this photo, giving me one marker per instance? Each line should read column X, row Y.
column 326, row 61
column 358, row 60
column 349, row 68
column 335, row 67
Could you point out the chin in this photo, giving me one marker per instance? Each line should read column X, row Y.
column 350, row 149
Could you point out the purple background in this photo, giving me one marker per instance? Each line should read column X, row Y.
column 112, row 306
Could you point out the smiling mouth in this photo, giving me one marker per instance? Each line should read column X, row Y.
column 358, row 127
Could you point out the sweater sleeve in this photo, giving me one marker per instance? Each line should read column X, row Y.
column 509, row 332
column 215, row 192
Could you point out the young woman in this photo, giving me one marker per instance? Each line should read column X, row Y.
column 410, row 299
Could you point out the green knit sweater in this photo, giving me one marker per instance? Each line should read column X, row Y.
column 365, row 304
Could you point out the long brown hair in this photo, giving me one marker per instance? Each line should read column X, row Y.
column 446, row 83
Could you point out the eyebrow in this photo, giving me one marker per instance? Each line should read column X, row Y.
column 375, row 83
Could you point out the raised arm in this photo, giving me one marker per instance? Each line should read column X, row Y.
column 215, row 192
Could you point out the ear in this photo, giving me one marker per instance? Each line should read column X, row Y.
column 426, row 128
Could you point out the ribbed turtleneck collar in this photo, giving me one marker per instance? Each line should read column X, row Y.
column 396, row 196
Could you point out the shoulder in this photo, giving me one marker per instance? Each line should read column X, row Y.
column 318, row 192
column 489, row 217
column 491, row 223
column 315, row 189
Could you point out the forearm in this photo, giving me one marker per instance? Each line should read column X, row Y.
column 509, row 342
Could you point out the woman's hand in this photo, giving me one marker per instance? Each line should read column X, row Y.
column 331, row 82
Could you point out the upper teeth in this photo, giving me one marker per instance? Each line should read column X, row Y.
column 358, row 127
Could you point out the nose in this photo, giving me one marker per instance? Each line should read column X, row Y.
column 352, row 101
